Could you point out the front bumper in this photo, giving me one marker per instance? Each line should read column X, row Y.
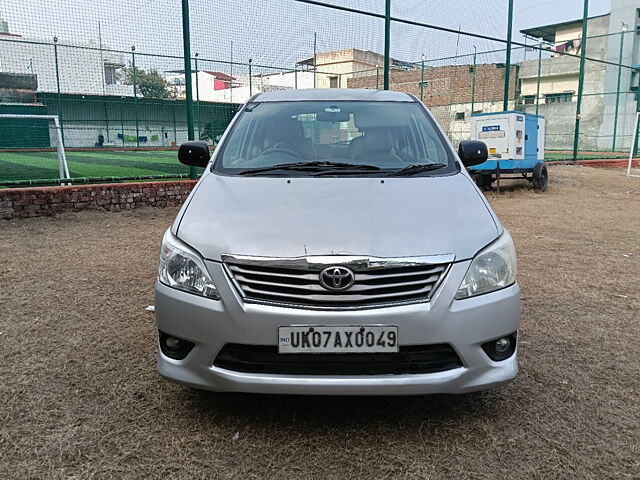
column 463, row 324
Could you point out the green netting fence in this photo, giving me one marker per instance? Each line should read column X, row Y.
column 116, row 78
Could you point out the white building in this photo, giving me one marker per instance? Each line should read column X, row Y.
column 210, row 86
column 555, row 87
column 83, row 67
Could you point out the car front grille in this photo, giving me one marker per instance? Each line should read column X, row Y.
column 377, row 282
column 411, row 359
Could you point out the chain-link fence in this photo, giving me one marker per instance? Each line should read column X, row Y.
column 116, row 78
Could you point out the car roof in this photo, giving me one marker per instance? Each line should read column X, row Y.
column 331, row 94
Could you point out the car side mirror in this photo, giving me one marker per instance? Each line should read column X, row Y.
column 194, row 154
column 472, row 152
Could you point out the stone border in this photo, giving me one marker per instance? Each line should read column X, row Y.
column 44, row 201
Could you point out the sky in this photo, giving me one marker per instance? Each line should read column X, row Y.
column 281, row 32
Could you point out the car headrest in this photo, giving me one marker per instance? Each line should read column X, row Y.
column 287, row 130
column 378, row 140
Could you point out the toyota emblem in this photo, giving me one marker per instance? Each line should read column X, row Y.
column 336, row 278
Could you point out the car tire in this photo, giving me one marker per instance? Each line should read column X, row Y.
column 540, row 177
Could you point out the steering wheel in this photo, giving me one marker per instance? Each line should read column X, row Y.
column 282, row 149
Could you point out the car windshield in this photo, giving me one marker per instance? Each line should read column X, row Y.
column 334, row 137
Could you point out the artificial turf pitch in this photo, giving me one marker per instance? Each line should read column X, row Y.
column 40, row 165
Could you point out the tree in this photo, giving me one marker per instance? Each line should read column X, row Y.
column 150, row 84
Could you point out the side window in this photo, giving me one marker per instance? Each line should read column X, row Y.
column 233, row 149
column 429, row 147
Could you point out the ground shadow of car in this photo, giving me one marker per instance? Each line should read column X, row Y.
column 321, row 412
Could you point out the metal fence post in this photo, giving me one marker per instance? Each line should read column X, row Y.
column 106, row 119
column 377, row 77
column 122, row 123
column 175, row 125
column 576, row 134
column 315, row 59
column 637, row 129
column 250, row 79
column 615, row 115
column 507, row 70
column 135, row 93
column 473, row 80
column 55, row 55
column 538, row 84
column 187, row 75
column 198, row 96
column 387, row 43
column 422, row 78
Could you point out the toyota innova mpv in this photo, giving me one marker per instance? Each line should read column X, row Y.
column 335, row 244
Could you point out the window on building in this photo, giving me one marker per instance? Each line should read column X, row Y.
column 564, row 97
column 110, row 74
column 333, row 82
column 529, row 99
column 635, row 81
column 459, row 116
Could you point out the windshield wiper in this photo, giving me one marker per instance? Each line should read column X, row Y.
column 416, row 168
column 315, row 166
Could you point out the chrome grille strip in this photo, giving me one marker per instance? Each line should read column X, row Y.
column 317, row 288
column 295, row 281
column 333, row 298
column 301, row 275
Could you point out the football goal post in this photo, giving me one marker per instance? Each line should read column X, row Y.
column 23, row 136
column 631, row 172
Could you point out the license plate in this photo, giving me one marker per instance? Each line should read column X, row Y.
column 338, row 339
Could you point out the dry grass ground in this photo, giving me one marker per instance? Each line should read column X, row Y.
column 79, row 396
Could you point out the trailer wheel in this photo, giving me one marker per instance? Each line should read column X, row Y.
column 484, row 181
column 540, row 177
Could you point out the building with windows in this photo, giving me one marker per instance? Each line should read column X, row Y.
column 83, row 68
column 335, row 68
column 550, row 86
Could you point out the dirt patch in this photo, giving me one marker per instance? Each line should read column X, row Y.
column 80, row 397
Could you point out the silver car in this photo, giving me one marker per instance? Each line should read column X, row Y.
column 335, row 244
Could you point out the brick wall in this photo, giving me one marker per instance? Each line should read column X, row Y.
column 447, row 85
column 40, row 201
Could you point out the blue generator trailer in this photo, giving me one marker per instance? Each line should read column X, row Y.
column 515, row 143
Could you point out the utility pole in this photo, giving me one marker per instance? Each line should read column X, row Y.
column 387, row 43
column 507, row 71
column 539, row 70
column 473, row 81
column 576, row 135
column 186, row 35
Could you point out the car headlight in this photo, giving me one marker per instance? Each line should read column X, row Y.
column 492, row 268
column 182, row 268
